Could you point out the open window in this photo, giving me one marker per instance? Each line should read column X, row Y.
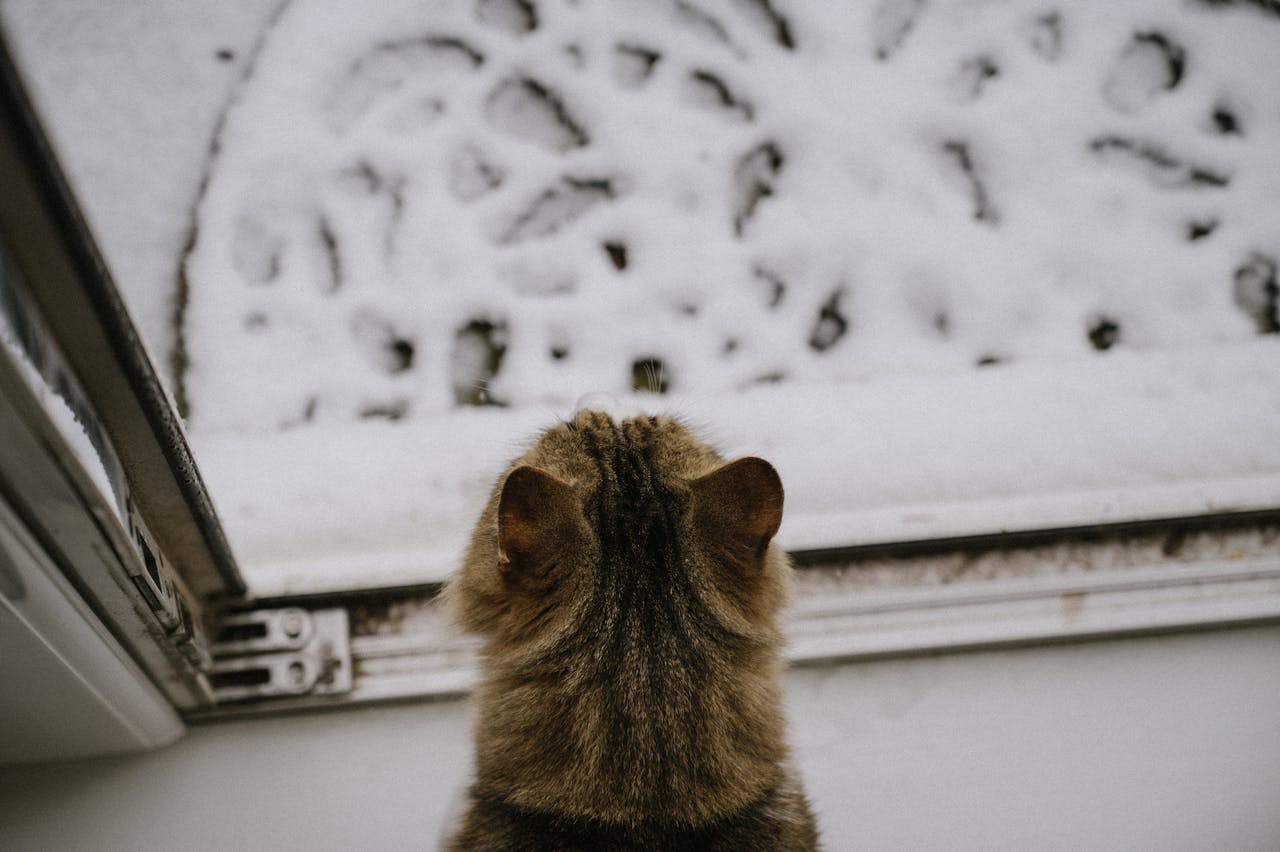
column 1015, row 358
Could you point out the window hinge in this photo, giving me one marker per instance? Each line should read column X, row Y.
column 287, row 652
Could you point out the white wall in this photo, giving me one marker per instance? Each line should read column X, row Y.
column 1160, row 743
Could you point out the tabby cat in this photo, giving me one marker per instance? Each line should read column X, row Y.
column 625, row 578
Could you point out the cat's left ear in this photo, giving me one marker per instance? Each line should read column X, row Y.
column 740, row 504
column 535, row 522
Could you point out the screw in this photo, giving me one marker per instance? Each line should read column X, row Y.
column 292, row 623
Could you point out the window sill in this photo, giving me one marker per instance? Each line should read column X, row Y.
column 1069, row 586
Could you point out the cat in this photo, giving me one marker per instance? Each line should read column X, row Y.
column 625, row 577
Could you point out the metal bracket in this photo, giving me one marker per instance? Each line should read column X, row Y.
column 150, row 573
column 272, row 653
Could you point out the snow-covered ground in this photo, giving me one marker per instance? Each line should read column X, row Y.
column 952, row 266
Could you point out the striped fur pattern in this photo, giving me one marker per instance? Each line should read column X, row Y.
column 625, row 578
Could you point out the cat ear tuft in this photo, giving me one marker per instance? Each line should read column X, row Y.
column 741, row 503
column 535, row 515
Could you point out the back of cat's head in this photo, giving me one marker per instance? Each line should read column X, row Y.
column 616, row 520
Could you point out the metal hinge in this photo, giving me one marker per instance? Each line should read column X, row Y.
column 154, row 579
column 288, row 652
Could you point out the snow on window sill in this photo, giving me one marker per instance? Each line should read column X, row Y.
column 1135, row 436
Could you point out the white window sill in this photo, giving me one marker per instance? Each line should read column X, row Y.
column 1101, row 585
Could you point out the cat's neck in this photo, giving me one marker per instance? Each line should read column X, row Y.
column 639, row 739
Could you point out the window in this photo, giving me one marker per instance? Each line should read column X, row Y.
column 372, row 252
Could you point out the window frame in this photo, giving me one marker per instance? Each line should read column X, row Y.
column 893, row 597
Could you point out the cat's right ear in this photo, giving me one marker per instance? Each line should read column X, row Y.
column 740, row 506
column 536, row 522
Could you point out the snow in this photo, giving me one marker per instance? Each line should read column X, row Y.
column 130, row 92
column 953, row 267
column 890, row 459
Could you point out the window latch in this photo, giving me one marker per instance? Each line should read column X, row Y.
column 276, row 653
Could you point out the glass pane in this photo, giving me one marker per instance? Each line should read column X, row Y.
column 953, row 267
